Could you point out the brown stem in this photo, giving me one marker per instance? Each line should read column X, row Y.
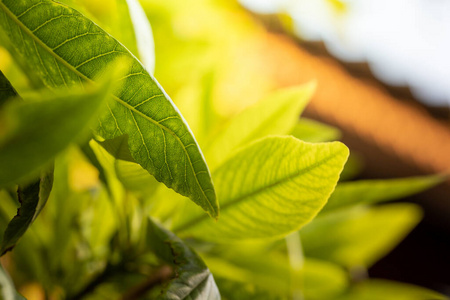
column 158, row 277
column 102, row 277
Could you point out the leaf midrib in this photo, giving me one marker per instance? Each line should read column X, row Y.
column 245, row 197
column 73, row 69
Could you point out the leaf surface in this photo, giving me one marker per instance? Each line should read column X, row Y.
column 159, row 138
column 276, row 114
column 36, row 130
column 126, row 21
column 192, row 280
column 32, row 198
column 374, row 191
column 271, row 188
column 361, row 236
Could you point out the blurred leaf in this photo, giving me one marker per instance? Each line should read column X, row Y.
column 6, row 89
column 376, row 289
column 36, row 130
column 323, row 280
column 90, row 156
column 231, row 290
column 193, row 279
column 32, row 198
column 159, row 139
column 359, row 237
column 143, row 33
column 271, row 188
column 374, row 191
column 195, row 100
column 354, row 166
column 276, row 114
column 270, row 273
column 315, row 132
column 7, row 289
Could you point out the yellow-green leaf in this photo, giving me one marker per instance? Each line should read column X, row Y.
column 377, row 289
column 361, row 236
column 312, row 131
column 270, row 189
column 374, row 191
column 277, row 114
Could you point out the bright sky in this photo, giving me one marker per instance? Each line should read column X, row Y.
column 405, row 42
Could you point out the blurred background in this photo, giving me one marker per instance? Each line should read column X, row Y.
column 382, row 70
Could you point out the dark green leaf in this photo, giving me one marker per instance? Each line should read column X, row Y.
column 158, row 137
column 32, row 198
column 192, row 280
column 6, row 89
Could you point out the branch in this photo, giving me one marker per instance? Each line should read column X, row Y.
column 160, row 276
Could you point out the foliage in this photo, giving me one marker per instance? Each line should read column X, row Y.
column 105, row 149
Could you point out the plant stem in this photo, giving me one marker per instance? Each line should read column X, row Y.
column 102, row 277
column 160, row 276
column 296, row 261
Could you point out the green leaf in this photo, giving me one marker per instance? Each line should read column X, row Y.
column 374, row 191
column 7, row 289
column 315, row 132
column 195, row 101
column 6, row 89
column 90, row 156
column 276, row 114
column 126, row 21
column 193, row 279
column 159, row 138
column 270, row 273
column 36, row 130
column 270, row 189
column 359, row 237
column 129, row 173
column 231, row 290
column 376, row 289
column 32, row 198
column 323, row 280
